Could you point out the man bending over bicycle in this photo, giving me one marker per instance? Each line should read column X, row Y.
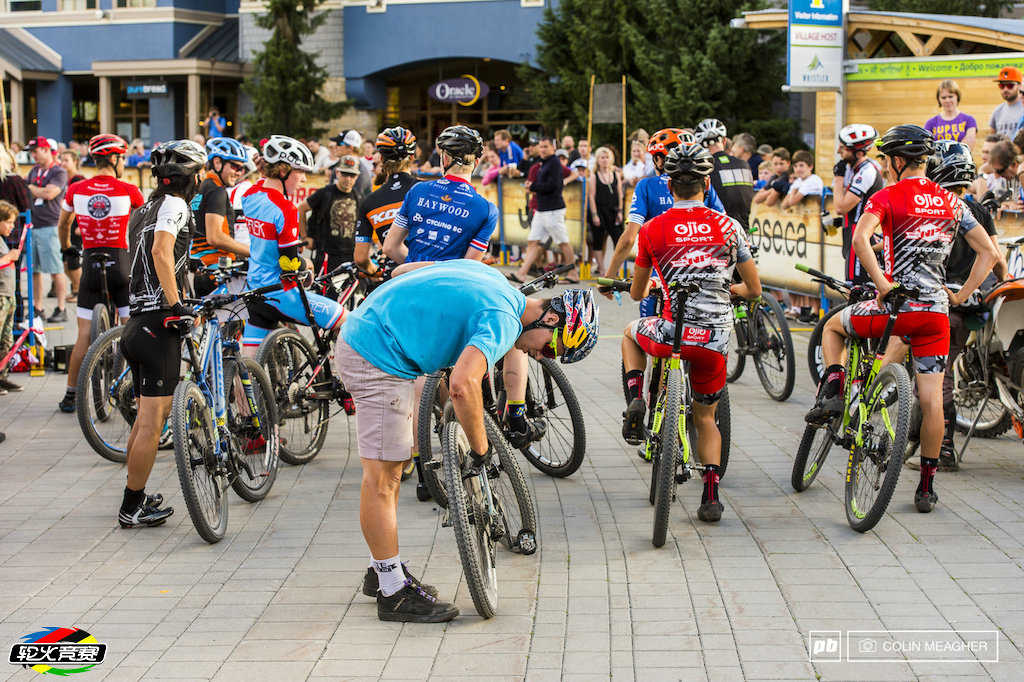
column 689, row 243
column 101, row 205
column 919, row 222
column 461, row 314
column 274, row 240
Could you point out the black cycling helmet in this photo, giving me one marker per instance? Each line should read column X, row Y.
column 688, row 161
column 458, row 141
column 396, row 144
column 952, row 165
column 908, row 141
column 178, row 157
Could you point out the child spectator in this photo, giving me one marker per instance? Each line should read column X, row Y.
column 764, row 174
column 778, row 185
column 639, row 166
column 331, row 228
column 806, row 183
column 8, row 272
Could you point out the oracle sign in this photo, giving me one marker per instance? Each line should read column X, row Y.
column 464, row 90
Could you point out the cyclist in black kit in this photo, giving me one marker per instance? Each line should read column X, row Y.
column 397, row 148
column 159, row 234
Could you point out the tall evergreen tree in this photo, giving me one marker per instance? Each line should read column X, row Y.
column 974, row 8
column 682, row 60
column 286, row 81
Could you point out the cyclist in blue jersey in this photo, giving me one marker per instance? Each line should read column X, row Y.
column 446, row 216
column 273, row 223
column 652, row 197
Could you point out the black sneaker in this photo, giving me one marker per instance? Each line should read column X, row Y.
column 710, row 511
column 144, row 516
column 535, row 430
column 10, row 386
column 59, row 315
column 633, row 422
column 925, row 503
column 825, row 411
column 412, row 605
column 154, row 500
column 371, row 583
column 67, row 403
column 408, row 469
column 947, row 459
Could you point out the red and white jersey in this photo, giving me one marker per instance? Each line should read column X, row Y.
column 102, row 205
column 692, row 243
column 920, row 221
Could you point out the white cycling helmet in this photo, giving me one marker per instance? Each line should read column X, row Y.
column 709, row 129
column 284, row 149
column 251, row 154
column 858, row 136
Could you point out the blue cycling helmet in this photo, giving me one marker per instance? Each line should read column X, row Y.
column 227, row 148
column 579, row 332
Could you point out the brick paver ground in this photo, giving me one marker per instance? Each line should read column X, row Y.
column 279, row 599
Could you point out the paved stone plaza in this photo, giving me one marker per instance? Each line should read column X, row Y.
column 279, row 599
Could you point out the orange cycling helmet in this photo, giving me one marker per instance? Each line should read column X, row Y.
column 667, row 138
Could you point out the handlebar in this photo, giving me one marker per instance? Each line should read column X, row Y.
column 819, row 276
column 548, row 279
column 614, row 284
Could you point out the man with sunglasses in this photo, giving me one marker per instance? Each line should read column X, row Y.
column 460, row 314
column 215, row 215
column 1006, row 118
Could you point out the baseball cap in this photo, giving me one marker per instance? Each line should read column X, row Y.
column 562, row 152
column 1009, row 74
column 348, row 164
column 348, row 137
column 45, row 143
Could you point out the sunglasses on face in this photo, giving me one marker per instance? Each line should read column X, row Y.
column 237, row 167
column 999, row 171
column 550, row 350
column 1008, row 86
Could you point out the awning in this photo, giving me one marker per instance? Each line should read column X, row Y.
column 214, row 42
column 24, row 57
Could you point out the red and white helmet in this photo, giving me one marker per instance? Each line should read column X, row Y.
column 104, row 144
column 858, row 136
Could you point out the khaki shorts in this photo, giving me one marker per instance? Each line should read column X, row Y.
column 549, row 224
column 384, row 405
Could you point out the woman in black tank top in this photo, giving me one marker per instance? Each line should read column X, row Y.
column 604, row 195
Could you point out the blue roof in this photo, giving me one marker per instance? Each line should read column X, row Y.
column 221, row 45
column 22, row 55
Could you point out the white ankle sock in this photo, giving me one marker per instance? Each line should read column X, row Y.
column 390, row 575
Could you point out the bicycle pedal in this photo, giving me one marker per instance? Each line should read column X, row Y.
column 446, row 519
column 434, row 464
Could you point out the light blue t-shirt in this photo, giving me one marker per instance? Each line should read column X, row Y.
column 421, row 321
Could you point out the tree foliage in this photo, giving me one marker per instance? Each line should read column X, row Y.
column 973, row 8
column 286, row 81
column 682, row 60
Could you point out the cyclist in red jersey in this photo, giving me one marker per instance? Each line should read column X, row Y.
column 689, row 243
column 101, row 205
column 919, row 222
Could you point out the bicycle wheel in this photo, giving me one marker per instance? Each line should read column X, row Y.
column 875, row 464
column 428, row 442
column 735, row 360
column 291, row 362
column 254, row 439
column 100, row 322
column 815, row 360
column 723, row 417
column 470, row 522
column 810, row 456
column 203, row 480
column 665, row 470
column 513, row 496
column 106, row 404
column 969, row 392
column 774, row 358
column 549, row 397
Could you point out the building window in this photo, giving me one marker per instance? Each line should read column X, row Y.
column 24, row 5
column 121, row 4
column 78, row 5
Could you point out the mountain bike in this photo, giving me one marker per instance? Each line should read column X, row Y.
column 104, row 314
column 488, row 506
column 302, row 377
column 874, row 424
column 549, row 398
column 224, row 420
column 761, row 330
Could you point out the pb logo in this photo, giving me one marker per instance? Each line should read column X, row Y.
column 824, row 646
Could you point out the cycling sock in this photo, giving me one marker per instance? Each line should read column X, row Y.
column 132, row 499
column 516, row 416
column 70, row 391
column 711, row 479
column 834, row 376
column 634, row 383
column 928, row 468
column 390, row 575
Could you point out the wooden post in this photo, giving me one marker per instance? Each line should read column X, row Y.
column 624, row 153
column 3, row 111
column 585, row 269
